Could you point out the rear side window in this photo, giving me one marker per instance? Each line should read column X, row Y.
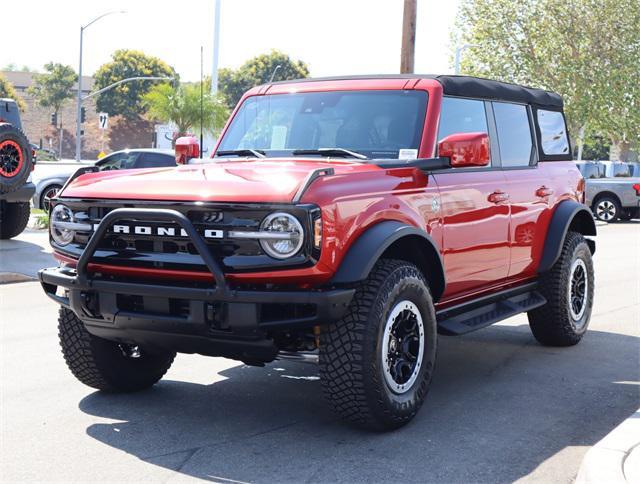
column 462, row 116
column 514, row 134
column 553, row 133
column 155, row 160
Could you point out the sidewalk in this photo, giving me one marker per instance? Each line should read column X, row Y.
column 616, row 458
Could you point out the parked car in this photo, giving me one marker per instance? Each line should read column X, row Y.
column 16, row 164
column 48, row 186
column 611, row 199
column 343, row 220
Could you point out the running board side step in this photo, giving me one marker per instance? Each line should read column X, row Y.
column 477, row 314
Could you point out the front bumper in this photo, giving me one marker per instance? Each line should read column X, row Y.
column 213, row 320
column 235, row 323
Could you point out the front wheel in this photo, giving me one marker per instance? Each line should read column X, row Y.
column 568, row 288
column 376, row 363
column 106, row 365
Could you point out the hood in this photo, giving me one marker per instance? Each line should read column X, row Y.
column 250, row 181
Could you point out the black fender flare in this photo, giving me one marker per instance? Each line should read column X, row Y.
column 376, row 240
column 568, row 214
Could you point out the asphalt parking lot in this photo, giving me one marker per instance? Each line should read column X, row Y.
column 501, row 407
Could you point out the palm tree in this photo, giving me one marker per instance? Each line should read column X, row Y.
column 187, row 106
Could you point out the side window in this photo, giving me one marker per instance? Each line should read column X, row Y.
column 553, row 133
column 462, row 116
column 155, row 160
column 514, row 134
column 117, row 161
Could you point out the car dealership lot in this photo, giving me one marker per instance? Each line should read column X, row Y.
column 501, row 407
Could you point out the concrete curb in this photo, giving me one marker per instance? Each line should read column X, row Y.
column 13, row 277
column 616, row 458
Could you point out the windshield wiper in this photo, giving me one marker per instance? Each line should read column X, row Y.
column 332, row 152
column 243, row 152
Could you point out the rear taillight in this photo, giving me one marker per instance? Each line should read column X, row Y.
column 636, row 187
column 581, row 190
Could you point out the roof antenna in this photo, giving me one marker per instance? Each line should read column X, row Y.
column 201, row 97
column 273, row 74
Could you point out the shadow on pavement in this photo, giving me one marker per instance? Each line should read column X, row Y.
column 499, row 406
column 26, row 254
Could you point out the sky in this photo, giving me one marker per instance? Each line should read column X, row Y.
column 334, row 37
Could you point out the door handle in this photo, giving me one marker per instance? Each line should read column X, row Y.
column 544, row 191
column 498, row 197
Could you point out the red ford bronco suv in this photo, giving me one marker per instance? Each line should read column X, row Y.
column 346, row 219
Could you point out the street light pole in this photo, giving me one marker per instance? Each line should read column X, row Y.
column 79, row 98
column 79, row 102
column 459, row 51
column 216, row 49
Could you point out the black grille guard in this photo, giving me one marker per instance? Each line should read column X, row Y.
column 111, row 321
column 142, row 214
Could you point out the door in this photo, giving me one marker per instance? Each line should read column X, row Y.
column 474, row 208
column 531, row 193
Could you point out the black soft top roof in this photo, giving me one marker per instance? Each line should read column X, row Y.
column 467, row 86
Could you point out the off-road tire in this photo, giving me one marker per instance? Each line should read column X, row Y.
column 609, row 211
column 553, row 323
column 13, row 173
column 102, row 364
column 351, row 366
column 13, row 219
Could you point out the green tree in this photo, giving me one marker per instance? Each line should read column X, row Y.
column 182, row 106
column 586, row 50
column 7, row 90
column 53, row 88
column 258, row 70
column 126, row 99
column 12, row 66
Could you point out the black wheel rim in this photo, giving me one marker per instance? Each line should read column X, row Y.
column 403, row 346
column 10, row 158
column 578, row 290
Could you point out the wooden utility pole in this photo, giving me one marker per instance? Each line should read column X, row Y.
column 407, row 53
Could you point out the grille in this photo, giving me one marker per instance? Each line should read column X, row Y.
column 156, row 244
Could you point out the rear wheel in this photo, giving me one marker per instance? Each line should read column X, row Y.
column 15, row 158
column 376, row 363
column 568, row 288
column 13, row 219
column 106, row 365
column 607, row 209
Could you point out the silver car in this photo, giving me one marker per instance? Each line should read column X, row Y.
column 48, row 185
column 611, row 192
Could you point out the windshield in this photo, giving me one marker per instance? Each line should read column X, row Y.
column 377, row 124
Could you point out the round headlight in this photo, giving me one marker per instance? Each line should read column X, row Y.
column 284, row 236
column 60, row 216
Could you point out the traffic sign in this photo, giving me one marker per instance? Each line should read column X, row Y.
column 103, row 120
